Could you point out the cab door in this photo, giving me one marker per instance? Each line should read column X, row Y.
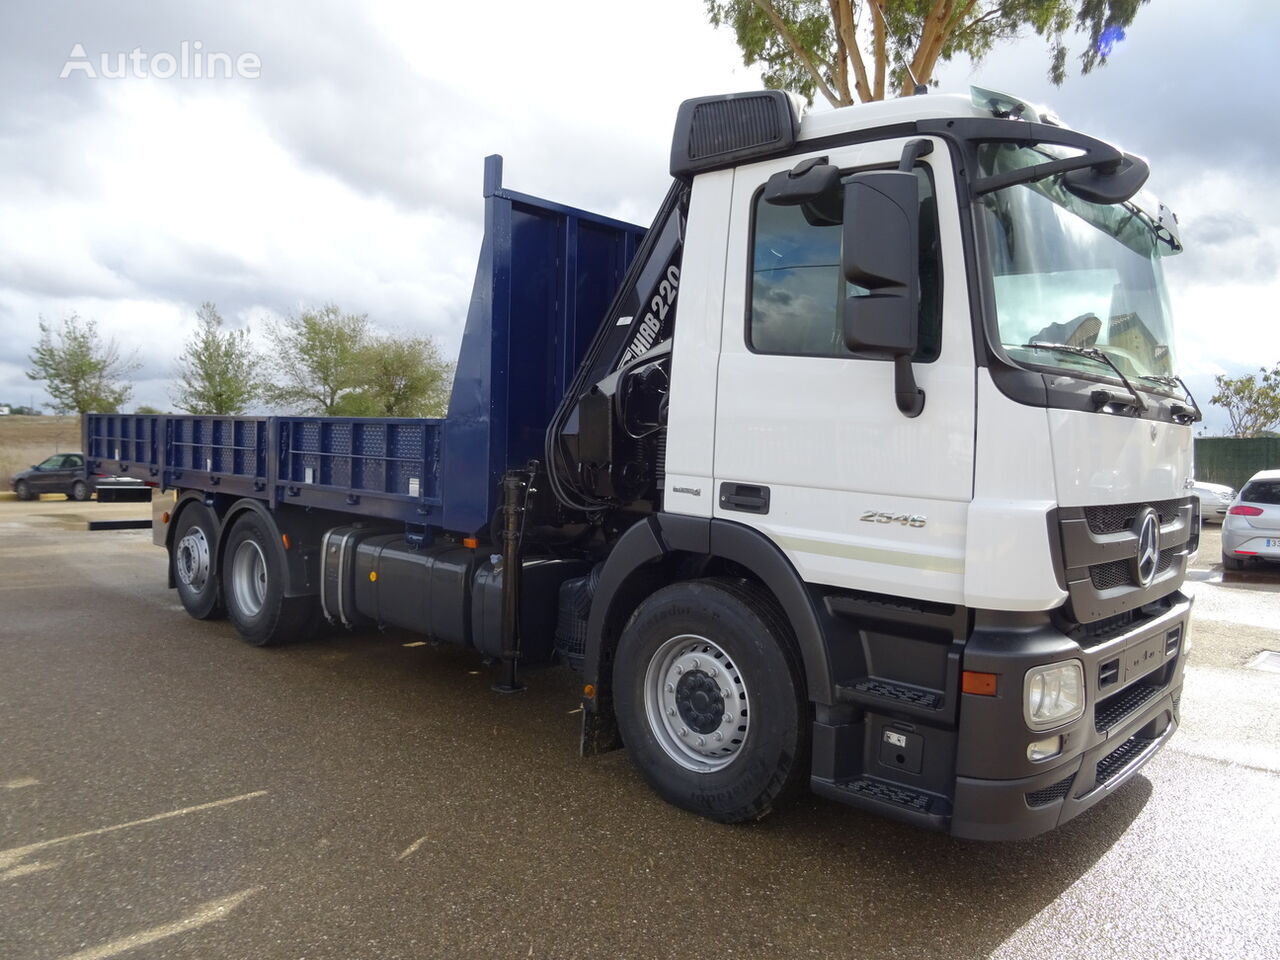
column 810, row 447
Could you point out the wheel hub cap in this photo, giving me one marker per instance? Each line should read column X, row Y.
column 192, row 559
column 697, row 704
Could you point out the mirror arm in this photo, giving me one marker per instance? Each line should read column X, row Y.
column 913, row 151
column 909, row 396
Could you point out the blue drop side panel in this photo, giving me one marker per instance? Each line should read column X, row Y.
column 546, row 276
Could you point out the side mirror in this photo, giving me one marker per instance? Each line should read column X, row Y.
column 813, row 185
column 882, row 254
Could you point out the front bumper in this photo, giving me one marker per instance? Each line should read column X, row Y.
column 1133, row 683
column 959, row 764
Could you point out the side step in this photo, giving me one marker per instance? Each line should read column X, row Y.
column 889, row 799
column 889, row 696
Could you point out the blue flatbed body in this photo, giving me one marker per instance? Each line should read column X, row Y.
column 545, row 278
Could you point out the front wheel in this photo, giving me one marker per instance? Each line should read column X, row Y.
column 22, row 490
column 710, row 699
column 253, row 579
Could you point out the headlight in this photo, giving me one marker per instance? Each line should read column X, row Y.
column 1053, row 695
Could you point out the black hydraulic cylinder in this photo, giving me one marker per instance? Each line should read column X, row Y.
column 515, row 485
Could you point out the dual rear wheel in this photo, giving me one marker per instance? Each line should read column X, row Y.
column 248, row 586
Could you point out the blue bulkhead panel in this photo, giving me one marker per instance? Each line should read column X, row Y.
column 546, row 276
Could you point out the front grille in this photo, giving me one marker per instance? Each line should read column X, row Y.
column 1116, row 761
column 1047, row 795
column 1116, row 707
column 1108, row 576
column 1119, row 573
column 1114, row 517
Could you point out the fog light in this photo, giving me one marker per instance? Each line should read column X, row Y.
column 1044, row 749
column 1053, row 694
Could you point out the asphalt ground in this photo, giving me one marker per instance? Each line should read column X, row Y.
column 167, row 791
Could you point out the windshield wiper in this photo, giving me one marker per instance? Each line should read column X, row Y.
column 1099, row 397
column 1191, row 414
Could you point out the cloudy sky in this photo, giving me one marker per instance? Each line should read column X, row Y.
column 347, row 166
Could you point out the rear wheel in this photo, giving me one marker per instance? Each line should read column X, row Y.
column 79, row 491
column 710, row 699
column 23, row 490
column 194, row 571
column 253, row 576
column 1232, row 563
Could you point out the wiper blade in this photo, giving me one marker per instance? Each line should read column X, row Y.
column 1191, row 414
column 1101, row 397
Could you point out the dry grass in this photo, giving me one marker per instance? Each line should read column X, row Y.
column 28, row 440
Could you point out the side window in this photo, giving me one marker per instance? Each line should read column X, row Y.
column 797, row 288
column 72, row 462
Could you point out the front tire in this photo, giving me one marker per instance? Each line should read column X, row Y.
column 710, row 699
column 79, row 491
column 192, row 556
column 253, row 577
column 22, row 490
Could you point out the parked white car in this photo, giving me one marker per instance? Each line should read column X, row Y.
column 1252, row 528
column 1215, row 499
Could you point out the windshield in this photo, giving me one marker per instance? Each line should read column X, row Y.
column 1067, row 271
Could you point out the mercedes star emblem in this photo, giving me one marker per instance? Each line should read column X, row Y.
column 1147, row 558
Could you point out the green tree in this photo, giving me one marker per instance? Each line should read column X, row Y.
column 217, row 372
column 401, row 377
column 337, row 364
column 315, row 359
column 1252, row 401
column 852, row 50
column 82, row 372
column 147, row 410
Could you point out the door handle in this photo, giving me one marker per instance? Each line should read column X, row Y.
column 746, row 497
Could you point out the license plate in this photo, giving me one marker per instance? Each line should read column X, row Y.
column 1271, row 543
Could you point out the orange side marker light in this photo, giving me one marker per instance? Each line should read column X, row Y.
column 470, row 542
column 589, row 691
column 284, row 538
column 981, row 684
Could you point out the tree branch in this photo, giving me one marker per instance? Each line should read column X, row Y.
column 931, row 39
column 785, row 32
column 842, row 56
column 877, row 44
column 843, row 13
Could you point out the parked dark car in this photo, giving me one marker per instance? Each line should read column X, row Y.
column 61, row 473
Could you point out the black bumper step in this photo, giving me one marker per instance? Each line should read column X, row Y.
column 873, row 691
column 1115, row 762
column 1117, row 707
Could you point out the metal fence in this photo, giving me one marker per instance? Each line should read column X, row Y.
column 1232, row 461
